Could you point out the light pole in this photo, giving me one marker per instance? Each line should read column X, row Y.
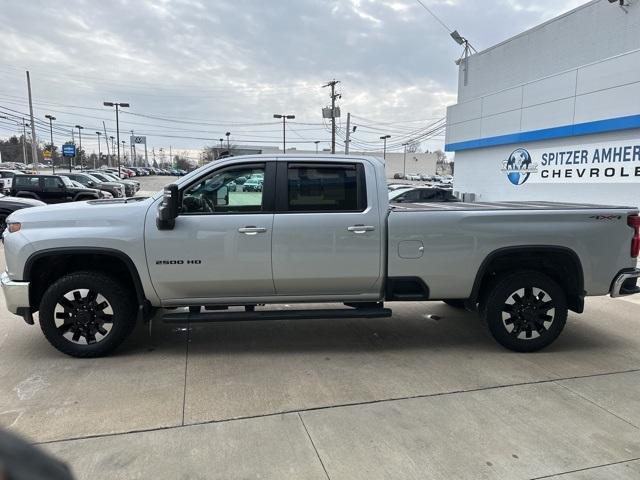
column 228, row 134
column 99, row 154
column 122, row 105
column 51, row 119
column 317, row 142
column 80, row 128
column 113, row 147
column 384, row 152
column 404, row 161
column 221, row 140
column 124, row 153
column 284, row 128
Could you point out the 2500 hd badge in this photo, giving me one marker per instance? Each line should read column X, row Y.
column 178, row 262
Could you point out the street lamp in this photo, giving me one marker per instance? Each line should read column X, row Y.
column 221, row 140
column 284, row 128
column 317, row 142
column 228, row 134
column 99, row 154
column 384, row 152
column 80, row 128
column 51, row 119
column 121, row 105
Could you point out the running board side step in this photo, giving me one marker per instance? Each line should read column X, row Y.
column 206, row 317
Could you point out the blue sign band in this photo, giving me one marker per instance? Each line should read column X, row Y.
column 587, row 128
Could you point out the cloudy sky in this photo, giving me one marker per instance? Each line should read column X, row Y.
column 194, row 69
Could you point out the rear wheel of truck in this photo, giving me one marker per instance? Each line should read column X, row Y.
column 86, row 314
column 525, row 311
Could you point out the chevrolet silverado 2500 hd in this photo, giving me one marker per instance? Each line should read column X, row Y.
column 319, row 230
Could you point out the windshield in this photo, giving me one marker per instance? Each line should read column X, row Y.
column 67, row 181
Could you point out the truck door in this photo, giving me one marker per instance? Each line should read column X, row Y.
column 327, row 232
column 220, row 246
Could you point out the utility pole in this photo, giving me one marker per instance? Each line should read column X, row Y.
column 80, row 127
column 51, row 119
column 99, row 154
column 347, row 140
column 132, row 150
column 113, row 150
column 333, row 96
column 24, row 145
column 106, row 141
column 317, row 142
column 34, row 146
column 170, row 156
column 228, row 134
column 404, row 161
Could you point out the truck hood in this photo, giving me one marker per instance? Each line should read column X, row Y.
column 92, row 212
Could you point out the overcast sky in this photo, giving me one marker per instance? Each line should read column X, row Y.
column 208, row 67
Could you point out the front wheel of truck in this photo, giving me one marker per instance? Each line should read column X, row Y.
column 526, row 311
column 86, row 314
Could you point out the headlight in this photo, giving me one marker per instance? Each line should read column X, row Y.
column 14, row 227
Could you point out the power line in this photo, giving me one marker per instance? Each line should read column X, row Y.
column 435, row 16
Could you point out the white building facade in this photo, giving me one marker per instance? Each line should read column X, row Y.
column 553, row 113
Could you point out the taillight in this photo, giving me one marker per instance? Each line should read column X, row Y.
column 634, row 222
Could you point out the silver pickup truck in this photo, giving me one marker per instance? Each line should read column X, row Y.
column 257, row 230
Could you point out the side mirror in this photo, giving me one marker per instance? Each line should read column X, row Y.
column 168, row 209
column 222, row 196
column 90, row 183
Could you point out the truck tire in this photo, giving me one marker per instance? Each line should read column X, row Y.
column 86, row 314
column 456, row 302
column 525, row 311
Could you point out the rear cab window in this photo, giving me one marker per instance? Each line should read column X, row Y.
column 322, row 187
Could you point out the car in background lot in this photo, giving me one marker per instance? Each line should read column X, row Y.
column 254, row 184
column 116, row 189
column 421, row 195
column 130, row 186
column 6, row 179
column 52, row 189
column 412, row 176
column 8, row 205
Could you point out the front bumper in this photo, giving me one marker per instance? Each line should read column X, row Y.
column 16, row 294
column 625, row 283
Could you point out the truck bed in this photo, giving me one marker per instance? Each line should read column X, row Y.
column 483, row 206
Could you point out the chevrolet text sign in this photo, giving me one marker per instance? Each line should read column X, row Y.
column 616, row 162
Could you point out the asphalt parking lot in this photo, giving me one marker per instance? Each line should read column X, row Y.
column 426, row 394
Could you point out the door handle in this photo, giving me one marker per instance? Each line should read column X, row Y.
column 361, row 228
column 251, row 230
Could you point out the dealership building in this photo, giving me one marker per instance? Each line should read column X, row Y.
column 553, row 113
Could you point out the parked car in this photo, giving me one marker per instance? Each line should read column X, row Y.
column 116, row 189
column 398, row 176
column 130, row 186
column 322, row 232
column 395, row 186
column 52, row 189
column 8, row 205
column 6, row 179
column 412, row 176
column 421, row 195
column 253, row 184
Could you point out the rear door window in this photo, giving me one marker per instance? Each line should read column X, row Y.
column 325, row 188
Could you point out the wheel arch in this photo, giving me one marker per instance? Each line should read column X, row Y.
column 562, row 264
column 57, row 262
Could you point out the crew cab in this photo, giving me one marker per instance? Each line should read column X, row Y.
column 321, row 230
column 51, row 189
